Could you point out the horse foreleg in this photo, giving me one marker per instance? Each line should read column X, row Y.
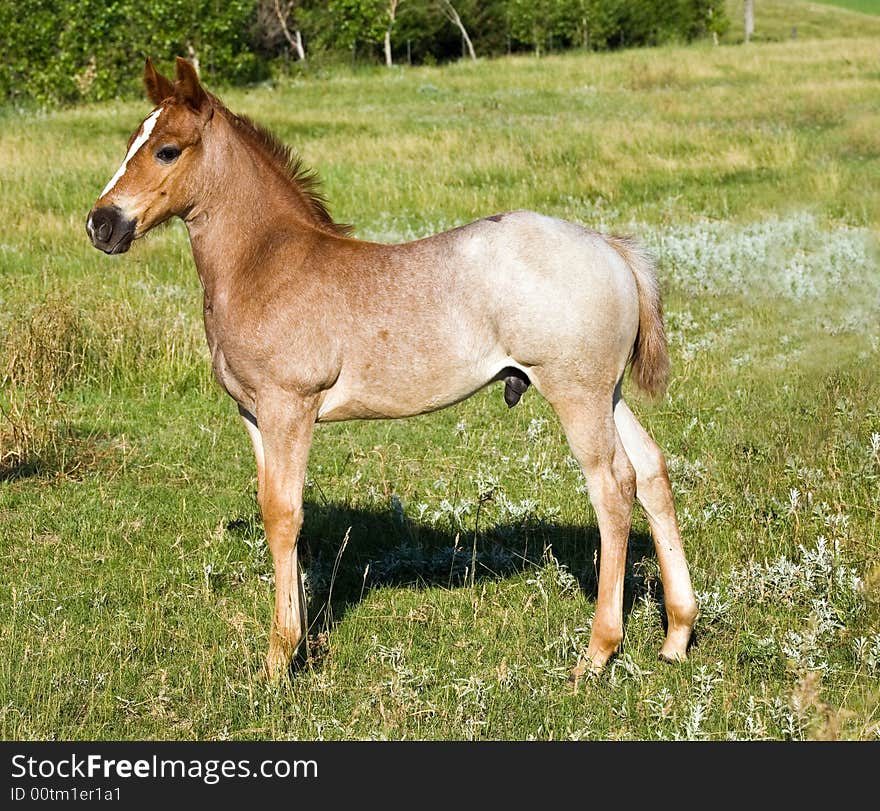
column 654, row 493
column 285, row 434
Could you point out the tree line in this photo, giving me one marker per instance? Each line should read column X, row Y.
column 68, row 50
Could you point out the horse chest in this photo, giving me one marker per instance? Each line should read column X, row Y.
column 223, row 372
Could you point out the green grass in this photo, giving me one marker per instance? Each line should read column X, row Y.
column 783, row 19
column 136, row 588
column 862, row 6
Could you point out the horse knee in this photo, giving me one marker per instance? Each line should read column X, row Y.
column 282, row 518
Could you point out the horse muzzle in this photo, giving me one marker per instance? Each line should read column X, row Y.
column 110, row 230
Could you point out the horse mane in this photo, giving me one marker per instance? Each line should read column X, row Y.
column 304, row 181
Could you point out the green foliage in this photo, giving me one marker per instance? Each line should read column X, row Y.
column 58, row 51
column 598, row 24
column 357, row 21
column 61, row 51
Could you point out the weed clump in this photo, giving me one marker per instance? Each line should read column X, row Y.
column 41, row 354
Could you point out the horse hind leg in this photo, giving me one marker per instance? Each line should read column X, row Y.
column 593, row 438
column 654, row 493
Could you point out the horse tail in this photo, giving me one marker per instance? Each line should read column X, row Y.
column 649, row 361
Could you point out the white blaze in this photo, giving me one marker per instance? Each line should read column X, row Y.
column 146, row 129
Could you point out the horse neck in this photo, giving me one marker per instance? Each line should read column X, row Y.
column 244, row 203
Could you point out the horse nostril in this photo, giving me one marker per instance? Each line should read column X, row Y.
column 101, row 225
column 110, row 230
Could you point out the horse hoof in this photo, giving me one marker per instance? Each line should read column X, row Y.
column 585, row 668
column 275, row 669
column 270, row 675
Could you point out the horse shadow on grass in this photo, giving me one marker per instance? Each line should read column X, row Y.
column 346, row 551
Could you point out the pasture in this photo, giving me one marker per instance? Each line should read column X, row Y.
column 451, row 559
column 862, row 6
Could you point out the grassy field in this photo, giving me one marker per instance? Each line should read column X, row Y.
column 784, row 19
column 136, row 587
column 862, row 6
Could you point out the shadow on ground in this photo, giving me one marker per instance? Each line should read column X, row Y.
column 347, row 551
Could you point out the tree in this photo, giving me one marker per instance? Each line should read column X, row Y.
column 534, row 22
column 749, row 15
column 452, row 15
column 275, row 18
column 392, row 16
column 357, row 21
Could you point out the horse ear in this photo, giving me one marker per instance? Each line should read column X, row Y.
column 188, row 89
column 158, row 87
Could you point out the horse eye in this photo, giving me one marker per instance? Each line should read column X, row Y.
column 168, row 154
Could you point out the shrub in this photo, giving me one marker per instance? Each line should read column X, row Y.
column 58, row 51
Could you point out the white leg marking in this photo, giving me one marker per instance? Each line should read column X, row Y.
column 146, row 129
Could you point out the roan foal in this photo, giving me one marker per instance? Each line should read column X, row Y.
column 306, row 324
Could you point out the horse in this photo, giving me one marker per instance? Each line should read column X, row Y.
column 307, row 324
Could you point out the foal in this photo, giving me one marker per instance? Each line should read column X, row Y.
column 306, row 325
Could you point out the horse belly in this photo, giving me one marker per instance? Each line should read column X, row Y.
column 385, row 390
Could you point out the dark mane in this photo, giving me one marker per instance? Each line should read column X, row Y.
column 304, row 181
